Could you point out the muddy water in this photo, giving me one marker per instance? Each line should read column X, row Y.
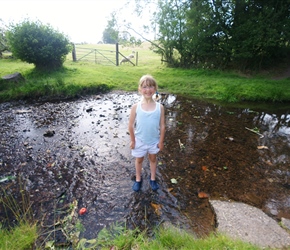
column 79, row 150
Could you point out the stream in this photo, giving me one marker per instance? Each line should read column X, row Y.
column 78, row 151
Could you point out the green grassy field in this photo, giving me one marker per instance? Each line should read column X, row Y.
column 83, row 77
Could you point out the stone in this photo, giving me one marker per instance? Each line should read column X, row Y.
column 249, row 224
column 16, row 77
column 285, row 223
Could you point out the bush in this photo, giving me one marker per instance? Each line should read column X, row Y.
column 39, row 44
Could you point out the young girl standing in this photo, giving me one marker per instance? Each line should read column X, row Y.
column 147, row 130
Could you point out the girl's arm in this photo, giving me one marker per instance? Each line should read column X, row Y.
column 131, row 126
column 162, row 128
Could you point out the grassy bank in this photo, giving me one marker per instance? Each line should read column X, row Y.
column 83, row 77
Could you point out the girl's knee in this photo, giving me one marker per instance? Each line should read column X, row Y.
column 152, row 158
column 139, row 160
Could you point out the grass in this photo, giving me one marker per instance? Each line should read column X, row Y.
column 20, row 237
column 83, row 77
column 23, row 233
column 167, row 237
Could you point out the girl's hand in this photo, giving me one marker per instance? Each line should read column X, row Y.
column 132, row 144
column 161, row 146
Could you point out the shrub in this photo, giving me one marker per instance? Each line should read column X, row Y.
column 39, row 44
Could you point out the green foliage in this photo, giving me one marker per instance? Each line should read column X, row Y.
column 223, row 34
column 3, row 40
column 39, row 44
column 111, row 33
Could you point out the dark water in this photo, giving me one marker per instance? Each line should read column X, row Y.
column 79, row 151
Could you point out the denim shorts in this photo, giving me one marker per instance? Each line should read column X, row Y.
column 141, row 149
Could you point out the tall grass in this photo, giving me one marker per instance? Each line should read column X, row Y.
column 23, row 232
column 82, row 77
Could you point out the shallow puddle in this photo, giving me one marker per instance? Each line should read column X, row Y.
column 79, row 150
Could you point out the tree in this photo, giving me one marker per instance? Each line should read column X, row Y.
column 260, row 32
column 114, row 33
column 39, row 44
column 111, row 32
column 3, row 40
column 241, row 34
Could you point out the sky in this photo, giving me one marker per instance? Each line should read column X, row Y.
column 80, row 20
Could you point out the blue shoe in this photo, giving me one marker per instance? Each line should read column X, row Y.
column 154, row 185
column 136, row 186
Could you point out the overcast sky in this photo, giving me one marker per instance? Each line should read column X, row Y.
column 81, row 20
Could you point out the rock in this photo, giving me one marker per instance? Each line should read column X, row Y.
column 16, row 77
column 285, row 223
column 49, row 133
column 249, row 224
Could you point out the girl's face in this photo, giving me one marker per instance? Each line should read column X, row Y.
column 146, row 90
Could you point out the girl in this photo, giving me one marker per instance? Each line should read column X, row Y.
column 147, row 137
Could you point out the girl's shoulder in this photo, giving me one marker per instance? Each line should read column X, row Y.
column 134, row 106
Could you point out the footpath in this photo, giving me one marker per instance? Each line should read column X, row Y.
column 250, row 224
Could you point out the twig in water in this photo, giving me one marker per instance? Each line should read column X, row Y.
column 252, row 130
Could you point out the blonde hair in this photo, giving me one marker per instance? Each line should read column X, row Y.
column 148, row 80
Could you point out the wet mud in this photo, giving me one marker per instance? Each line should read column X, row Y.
column 78, row 151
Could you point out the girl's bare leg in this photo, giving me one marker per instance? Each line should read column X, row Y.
column 153, row 165
column 138, row 166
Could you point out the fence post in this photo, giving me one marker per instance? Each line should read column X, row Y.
column 117, row 54
column 137, row 58
column 74, row 55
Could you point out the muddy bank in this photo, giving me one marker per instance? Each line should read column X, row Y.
column 78, row 150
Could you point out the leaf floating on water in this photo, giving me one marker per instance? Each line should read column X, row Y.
column 181, row 145
column 170, row 189
column 202, row 195
column 157, row 208
column 204, row 168
column 49, row 165
column 173, row 181
column 7, row 178
column 262, row 147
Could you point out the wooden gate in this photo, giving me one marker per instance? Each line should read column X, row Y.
column 98, row 56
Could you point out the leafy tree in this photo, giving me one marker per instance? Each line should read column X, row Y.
column 115, row 32
column 111, row 32
column 3, row 40
column 260, row 32
column 39, row 44
column 222, row 33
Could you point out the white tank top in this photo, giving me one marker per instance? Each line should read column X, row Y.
column 148, row 124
